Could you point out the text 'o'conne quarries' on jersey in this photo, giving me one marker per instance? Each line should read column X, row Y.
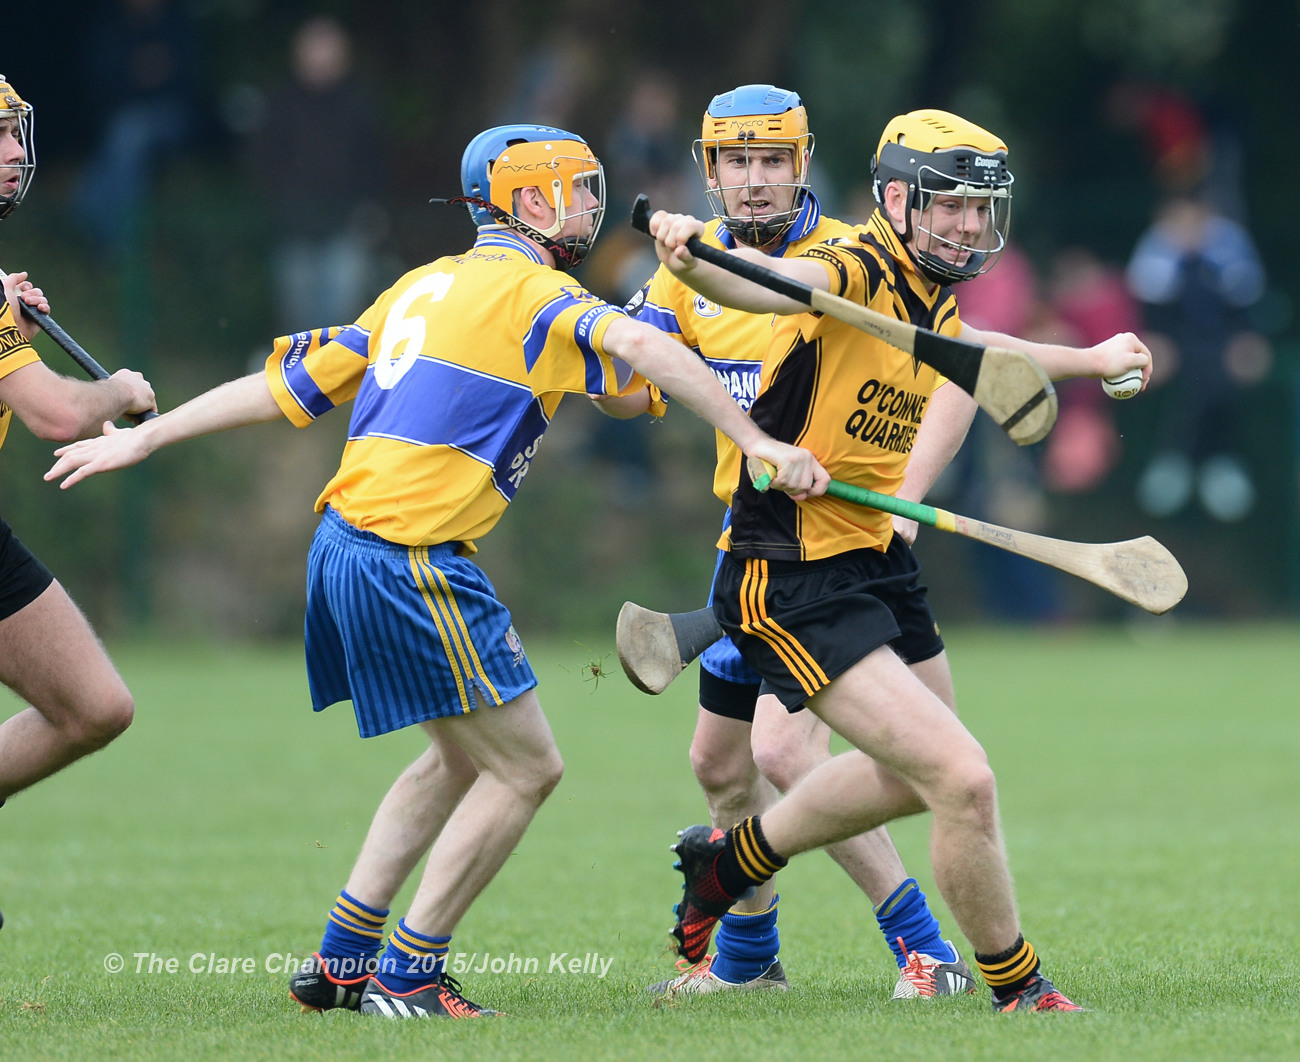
column 887, row 416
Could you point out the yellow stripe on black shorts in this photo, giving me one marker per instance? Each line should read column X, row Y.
column 799, row 624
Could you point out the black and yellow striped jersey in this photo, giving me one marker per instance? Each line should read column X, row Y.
column 456, row 371
column 731, row 342
column 15, row 353
column 850, row 398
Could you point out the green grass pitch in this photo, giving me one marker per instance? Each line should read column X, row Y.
column 1149, row 790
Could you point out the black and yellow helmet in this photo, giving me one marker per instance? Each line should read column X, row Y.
column 15, row 108
column 938, row 153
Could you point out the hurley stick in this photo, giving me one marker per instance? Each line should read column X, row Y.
column 1009, row 385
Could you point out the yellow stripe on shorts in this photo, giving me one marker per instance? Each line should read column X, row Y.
column 456, row 641
column 419, row 555
column 755, row 621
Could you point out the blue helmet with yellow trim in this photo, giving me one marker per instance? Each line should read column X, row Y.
column 505, row 159
column 754, row 118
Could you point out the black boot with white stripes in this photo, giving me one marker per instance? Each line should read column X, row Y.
column 441, row 999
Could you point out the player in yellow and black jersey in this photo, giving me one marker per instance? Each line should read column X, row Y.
column 49, row 656
column 754, row 157
column 454, row 375
column 855, row 401
column 806, row 590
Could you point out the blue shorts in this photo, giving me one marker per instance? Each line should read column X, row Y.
column 405, row 633
column 722, row 659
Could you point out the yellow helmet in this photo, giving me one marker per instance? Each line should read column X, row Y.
column 14, row 107
column 754, row 116
column 938, row 153
column 505, row 159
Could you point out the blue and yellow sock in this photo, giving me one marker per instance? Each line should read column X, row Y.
column 906, row 914
column 353, row 936
column 411, row 959
column 747, row 944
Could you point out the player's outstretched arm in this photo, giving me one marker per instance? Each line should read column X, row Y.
column 678, row 371
column 231, row 405
column 671, row 233
column 1110, row 358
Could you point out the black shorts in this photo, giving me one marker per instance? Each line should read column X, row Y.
column 733, row 700
column 22, row 577
column 800, row 624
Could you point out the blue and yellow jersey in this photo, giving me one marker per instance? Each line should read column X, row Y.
column 731, row 342
column 852, row 399
column 15, row 353
column 456, row 372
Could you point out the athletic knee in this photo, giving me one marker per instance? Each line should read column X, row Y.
column 725, row 777
column 784, row 762
column 552, row 772
column 97, row 722
column 970, row 790
column 536, row 779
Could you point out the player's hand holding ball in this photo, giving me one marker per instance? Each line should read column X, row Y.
column 1125, row 386
column 1127, row 382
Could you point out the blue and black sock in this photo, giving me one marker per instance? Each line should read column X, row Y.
column 747, row 944
column 906, row 914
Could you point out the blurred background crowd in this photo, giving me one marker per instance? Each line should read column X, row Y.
column 213, row 173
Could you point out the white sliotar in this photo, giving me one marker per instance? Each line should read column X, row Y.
column 1125, row 386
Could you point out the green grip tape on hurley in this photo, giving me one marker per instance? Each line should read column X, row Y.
column 922, row 514
column 885, row 503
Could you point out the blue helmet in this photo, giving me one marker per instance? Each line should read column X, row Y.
column 502, row 160
column 753, row 117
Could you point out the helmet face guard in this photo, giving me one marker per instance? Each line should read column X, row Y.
column 754, row 119
column 958, row 192
column 14, row 108
column 503, row 161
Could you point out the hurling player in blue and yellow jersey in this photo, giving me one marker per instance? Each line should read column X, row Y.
column 754, row 156
column 49, row 656
column 454, row 374
column 810, row 591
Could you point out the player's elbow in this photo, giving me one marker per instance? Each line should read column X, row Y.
column 56, row 424
column 632, row 342
column 623, row 407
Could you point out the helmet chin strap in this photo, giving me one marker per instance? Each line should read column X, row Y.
column 571, row 251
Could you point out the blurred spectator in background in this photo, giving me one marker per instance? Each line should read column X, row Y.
column 1197, row 272
column 645, row 157
column 1090, row 303
column 318, row 159
column 555, row 79
column 994, row 479
column 644, row 151
column 142, row 58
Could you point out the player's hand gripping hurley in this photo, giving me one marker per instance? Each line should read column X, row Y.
column 1008, row 385
column 655, row 647
column 75, row 351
